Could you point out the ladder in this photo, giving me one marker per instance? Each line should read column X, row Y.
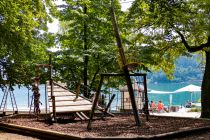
column 8, row 92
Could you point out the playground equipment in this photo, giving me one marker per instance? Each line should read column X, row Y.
column 35, row 101
column 66, row 102
column 145, row 97
column 61, row 101
column 8, row 92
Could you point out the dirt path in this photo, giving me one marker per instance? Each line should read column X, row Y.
column 12, row 136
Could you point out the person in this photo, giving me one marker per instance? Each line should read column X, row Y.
column 160, row 106
column 153, row 106
column 35, row 88
column 188, row 104
column 150, row 105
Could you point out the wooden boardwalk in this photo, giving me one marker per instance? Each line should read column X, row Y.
column 66, row 101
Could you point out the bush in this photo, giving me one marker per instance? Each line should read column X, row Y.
column 195, row 109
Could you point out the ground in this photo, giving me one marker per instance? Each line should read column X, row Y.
column 120, row 125
column 12, row 136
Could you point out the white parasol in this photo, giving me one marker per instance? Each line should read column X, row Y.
column 190, row 88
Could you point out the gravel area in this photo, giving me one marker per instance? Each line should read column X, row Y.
column 120, row 125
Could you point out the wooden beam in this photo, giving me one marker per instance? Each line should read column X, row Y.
column 80, row 116
column 124, row 63
column 85, row 116
column 95, row 102
column 107, row 107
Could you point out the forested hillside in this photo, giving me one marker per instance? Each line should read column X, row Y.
column 188, row 69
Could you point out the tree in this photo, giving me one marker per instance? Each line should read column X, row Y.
column 87, row 36
column 168, row 29
column 22, row 25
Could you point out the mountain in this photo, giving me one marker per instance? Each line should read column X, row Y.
column 188, row 69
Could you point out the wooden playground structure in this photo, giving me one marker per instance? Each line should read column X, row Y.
column 59, row 101
column 62, row 102
column 98, row 92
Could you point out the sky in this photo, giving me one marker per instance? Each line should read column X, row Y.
column 53, row 27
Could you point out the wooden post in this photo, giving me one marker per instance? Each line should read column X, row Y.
column 95, row 102
column 51, row 86
column 45, row 99
column 125, row 68
column 107, row 107
column 146, row 98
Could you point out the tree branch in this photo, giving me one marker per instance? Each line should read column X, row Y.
column 193, row 48
column 97, row 71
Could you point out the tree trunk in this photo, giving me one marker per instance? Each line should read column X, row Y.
column 85, row 57
column 205, row 89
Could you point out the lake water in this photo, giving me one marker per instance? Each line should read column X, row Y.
column 22, row 95
column 177, row 98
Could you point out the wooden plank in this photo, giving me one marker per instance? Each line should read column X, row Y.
column 73, row 109
column 69, row 103
column 79, row 102
column 80, row 116
column 67, row 90
column 62, row 95
column 62, row 92
column 85, row 116
column 57, row 90
column 70, row 98
column 76, row 105
column 65, row 99
column 56, row 86
column 48, row 87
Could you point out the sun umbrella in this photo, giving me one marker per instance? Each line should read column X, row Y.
column 160, row 92
column 190, row 88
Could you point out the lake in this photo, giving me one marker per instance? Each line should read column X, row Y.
column 177, row 98
column 23, row 94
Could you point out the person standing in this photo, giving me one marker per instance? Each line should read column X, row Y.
column 35, row 88
column 160, row 106
column 153, row 106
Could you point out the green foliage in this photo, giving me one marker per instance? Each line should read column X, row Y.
column 196, row 109
column 22, row 23
column 101, row 50
column 152, row 31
